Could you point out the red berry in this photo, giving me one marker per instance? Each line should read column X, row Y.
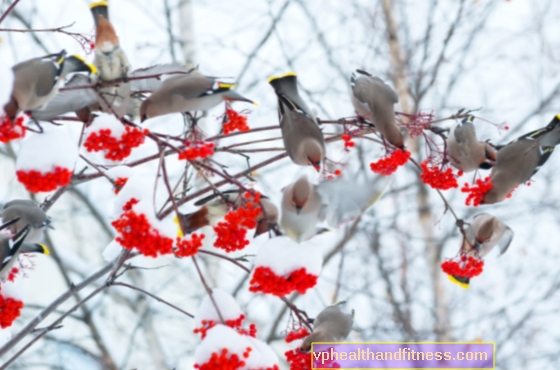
column 386, row 166
column 11, row 130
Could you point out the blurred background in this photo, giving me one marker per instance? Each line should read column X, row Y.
column 439, row 55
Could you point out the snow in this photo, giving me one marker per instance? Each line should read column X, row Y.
column 262, row 356
column 111, row 251
column 228, row 307
column 120, row 171
column 9, row 289
column 219, row 337
column 283, row 255
column 43, row 152
column 106, row 121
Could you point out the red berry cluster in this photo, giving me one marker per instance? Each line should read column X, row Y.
column 348, row 142
column 298, row 360
column 234, row 121
column 10, row 131
column 467, row 266
column 197, row 149
column 12, row 274
column 224, row 361
column 231, row 233
column 476, row 192
column 36, row 182
column 119, row 183
column 437, row 179
column 136, row 232
column 116, row 149
column 10, row 310
column 386, row 166
column 186, row 247
column 297, row 334
column 252, row 331
column 266, row 281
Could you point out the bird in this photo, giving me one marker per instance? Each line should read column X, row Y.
column 374, row 100
column 84, row 101
column 111, row 61
column 188, row 93
column 305, row 204
column 331, row 325
column 36, row 81
column 214, row 207
column 481, row 236
column 519, row 160
column 12, row 246
column 464, row 150
column 303, row 139
column 19, row 213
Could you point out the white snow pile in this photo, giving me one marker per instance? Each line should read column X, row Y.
column 43, row 152
column 139, row 188
column 9, row 289
column 112, row 251
column 228, row 307
column 283, row 256
column 120, row 172
column 106, row 121
column 219, row 337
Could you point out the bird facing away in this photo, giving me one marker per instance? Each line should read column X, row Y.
column 464, row 150
column 25, row 212
column 12, row 246
column 482, row 235
column 519, row 160
column 188, row 93
column 214, row 207
column 374, row 100
column 331, row 325
column 303, row 139
column 36, row 81
column 305, row 204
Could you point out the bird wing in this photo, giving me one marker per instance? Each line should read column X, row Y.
column 506, row 239
column 343, row 199
column 14, row 243
column 152, row 83
column 68, row 100
column 48, row 76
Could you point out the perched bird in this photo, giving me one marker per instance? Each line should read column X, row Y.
column 12, row 246
column 305, row 204
column 374, row 100
column 303, row 139
column 111, row 61
column 25, row 212
column 519, row 160
column 214, row 207
column 465, row 152
column 36, row 81
column 331, row 325
column 482, row 235
column 86, row 100
column 188, row 93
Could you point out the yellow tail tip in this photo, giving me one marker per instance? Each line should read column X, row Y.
column 455, row 281
column 289, row 74
column 558, row 116
column 98, row 3
column 255, row 104
column 179, row 231
column 45, row 249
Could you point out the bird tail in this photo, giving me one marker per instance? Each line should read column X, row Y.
column 35, row 248
column 285, row 85
column 193, row 221
column 99, row 8
column 463, row 282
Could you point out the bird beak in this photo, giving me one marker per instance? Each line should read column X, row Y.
column 50, row 226
column 298, row 209
column 317, row 166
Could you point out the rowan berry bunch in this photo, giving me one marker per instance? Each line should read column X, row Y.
column 188, row 247
column 266, row 281
column 36, row 181
column 297, row 334
column 348, row 142
column 119, row 183
column 10, row 310
column 436, row 178
column 135, row 231
column 234, row 121
column 466, row 266
column 476, row 193
column 224, row 361
column 115, row 148
column 197, row 149
column 388, row 165
column 11, row 130
column 209, row 324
